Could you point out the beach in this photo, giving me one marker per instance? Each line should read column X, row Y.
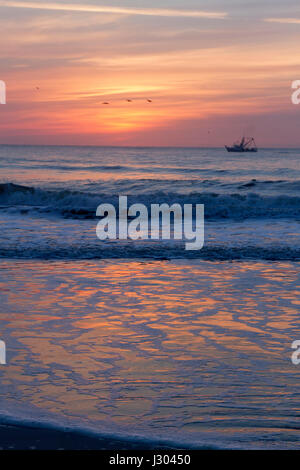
column 14, row 437
column 140, row 344
column 195, row 353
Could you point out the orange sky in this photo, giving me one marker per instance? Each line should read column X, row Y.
column 213, row 72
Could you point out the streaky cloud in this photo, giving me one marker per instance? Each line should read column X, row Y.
column 283, row 20
column 117, row 10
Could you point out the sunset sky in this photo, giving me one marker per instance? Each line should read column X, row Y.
column 214, row 70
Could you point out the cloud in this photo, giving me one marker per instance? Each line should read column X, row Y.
column 283, row 20
column 117, row 10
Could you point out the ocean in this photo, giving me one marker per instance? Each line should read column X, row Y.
column 142, row 339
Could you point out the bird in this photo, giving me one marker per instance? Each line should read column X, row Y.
column 149, row 101
column 105, row 102
column 129, row 101
column 37, row 87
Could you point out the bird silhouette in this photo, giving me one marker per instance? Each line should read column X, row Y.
column 105, row 102
column 149, row 101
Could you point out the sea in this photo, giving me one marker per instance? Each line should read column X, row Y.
column 143, row 339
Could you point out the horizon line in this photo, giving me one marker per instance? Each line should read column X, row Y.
column 142, row 146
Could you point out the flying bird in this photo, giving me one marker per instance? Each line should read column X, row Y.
column 149, row 101
column 105, row 102
column 129, row 101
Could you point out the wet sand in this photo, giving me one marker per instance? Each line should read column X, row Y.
column 183, row 353
column 14, row 437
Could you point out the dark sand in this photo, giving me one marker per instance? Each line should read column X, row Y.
column 20, row 438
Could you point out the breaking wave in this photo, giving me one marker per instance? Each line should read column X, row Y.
column 78, row 204
column 147, row 251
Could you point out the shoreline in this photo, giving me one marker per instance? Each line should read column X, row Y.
column 15, row 437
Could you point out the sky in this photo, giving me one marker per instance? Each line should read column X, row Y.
column 213, row 70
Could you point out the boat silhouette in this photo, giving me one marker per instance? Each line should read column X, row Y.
column 245, row 145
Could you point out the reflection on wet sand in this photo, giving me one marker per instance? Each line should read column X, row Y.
column 197, row 351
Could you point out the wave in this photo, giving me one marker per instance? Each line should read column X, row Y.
column 286, row 185
column 78, row 204
column 148, row 251
column 51, row 433
column 74, row 167
column 111, row 168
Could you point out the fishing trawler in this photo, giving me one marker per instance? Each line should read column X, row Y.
column 245, row 145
